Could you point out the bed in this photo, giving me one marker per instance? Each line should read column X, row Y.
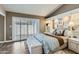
column 34, row 46
column 51, row 43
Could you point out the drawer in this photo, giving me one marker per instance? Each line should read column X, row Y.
column 71, row 41
column 72, row 46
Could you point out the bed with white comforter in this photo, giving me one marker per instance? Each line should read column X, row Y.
column 49, row 43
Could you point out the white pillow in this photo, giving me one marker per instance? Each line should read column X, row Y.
column 52, row 30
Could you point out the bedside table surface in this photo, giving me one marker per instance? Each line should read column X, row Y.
column 75, row 39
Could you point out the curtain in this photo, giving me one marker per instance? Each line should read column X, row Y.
column 23, row 27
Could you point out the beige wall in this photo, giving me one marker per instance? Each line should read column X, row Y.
column 9, row 22
column 1, row 28
column 75, row 18
column 42, row 24
column 71, row 18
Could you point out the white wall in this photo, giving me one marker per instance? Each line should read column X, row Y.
column 2, row 11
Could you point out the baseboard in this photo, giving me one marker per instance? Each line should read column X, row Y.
column 8, row 41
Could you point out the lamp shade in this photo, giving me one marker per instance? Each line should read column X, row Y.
column 71, row 24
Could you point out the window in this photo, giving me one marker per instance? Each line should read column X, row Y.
column 22, row 27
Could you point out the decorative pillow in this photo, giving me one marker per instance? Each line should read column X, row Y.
column 51, row 30
column 59, row 32
column 54, row 32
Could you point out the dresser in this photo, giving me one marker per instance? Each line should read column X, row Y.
column 73, row 44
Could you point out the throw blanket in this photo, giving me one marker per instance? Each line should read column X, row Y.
column 49, row 43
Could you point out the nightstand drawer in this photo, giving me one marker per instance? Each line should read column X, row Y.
column 72, row 46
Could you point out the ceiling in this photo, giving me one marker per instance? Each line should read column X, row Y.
column 33, row 9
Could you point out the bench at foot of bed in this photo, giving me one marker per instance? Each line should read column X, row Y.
column 34, row 46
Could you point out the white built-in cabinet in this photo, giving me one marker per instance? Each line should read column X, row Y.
column 73, row 44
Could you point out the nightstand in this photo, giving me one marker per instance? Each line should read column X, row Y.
column 73, row 44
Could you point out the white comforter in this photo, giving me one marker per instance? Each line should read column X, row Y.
column 49, row 43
